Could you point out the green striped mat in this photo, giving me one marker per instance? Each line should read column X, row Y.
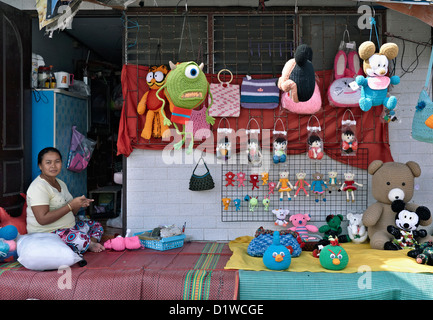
column 198, row 280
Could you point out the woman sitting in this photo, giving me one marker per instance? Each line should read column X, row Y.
column 51, row 208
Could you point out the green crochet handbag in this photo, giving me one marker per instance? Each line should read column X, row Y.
column 203, row 182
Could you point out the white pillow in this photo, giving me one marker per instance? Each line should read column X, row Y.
column 44, row 251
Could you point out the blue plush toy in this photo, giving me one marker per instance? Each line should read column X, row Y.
column 277, row 256
column 374, row 88
column 8, row 246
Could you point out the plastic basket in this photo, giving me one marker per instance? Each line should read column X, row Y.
column 164, row 243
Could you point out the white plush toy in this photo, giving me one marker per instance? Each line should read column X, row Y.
column 281, row 215
column 356, row 229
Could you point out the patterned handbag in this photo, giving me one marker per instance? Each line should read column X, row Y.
column 422, row 129
column 263, row 239
column 226, row 98
column 203, row 182
column 259, row 93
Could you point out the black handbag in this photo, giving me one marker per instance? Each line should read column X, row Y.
column 203, row 182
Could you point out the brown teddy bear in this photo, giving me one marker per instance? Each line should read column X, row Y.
column 390, row 181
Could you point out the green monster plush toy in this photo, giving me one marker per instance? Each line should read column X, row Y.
column 186, row 88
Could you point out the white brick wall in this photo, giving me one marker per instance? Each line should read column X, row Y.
column 403, row 146
column 158, row 193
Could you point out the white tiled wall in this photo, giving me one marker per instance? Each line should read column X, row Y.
column 158, row 193
column 403, row 147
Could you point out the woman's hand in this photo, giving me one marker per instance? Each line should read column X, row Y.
column 80, row 202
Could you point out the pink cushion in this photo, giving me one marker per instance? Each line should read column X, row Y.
column 308, row 107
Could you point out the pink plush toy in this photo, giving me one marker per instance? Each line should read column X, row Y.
column 120, row 243
column 299, row 222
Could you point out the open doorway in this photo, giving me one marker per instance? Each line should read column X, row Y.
column 92, row 52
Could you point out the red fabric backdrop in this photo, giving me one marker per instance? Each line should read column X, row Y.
column 371, row 131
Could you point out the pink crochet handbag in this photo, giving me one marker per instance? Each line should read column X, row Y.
column 198, row 125
column 226, row 98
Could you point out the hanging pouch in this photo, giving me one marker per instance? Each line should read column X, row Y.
column 253, row 148
column 259, row 93
column 279, row 144
column 422, row 123
column 224, row 141
column 80, row 151
column 198, row 125
column 314, row 140
column 203, row 182
column 226, row 98
column 349, row 142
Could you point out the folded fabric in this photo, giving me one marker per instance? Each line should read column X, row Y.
column 361, row 259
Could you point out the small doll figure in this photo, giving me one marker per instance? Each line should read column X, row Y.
column 301, row 183
column 241, row 179
column 237, row 203
column 271, row 186
column 254, row 154
column 318, row 186
column 281, row 215
column 226, row 203
column 230, row 178
column 349, row 144
column 286, row 186
column 266, row 202
column 253, row 203
column 332, row 181
column 254, row 179
column 223, row 149
column 315, row 151
column 280, row 149
column 265, row 178
column 349, row 186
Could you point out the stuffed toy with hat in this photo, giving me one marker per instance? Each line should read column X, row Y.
column 374, row 88
column 154, row 125
column 298, row 75
column 390, row 181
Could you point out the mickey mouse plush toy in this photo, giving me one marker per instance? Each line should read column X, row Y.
column 374, row 88
column 407, row 223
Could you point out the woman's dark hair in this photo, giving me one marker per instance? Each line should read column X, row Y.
column 46, row 150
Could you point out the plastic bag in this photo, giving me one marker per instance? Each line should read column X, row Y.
column 314, row 141
column 349, row 142
column 80, row 151
column 253, row 149
column 224, row 142
column 279, row 144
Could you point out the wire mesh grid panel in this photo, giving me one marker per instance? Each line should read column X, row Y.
column 238, row 195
